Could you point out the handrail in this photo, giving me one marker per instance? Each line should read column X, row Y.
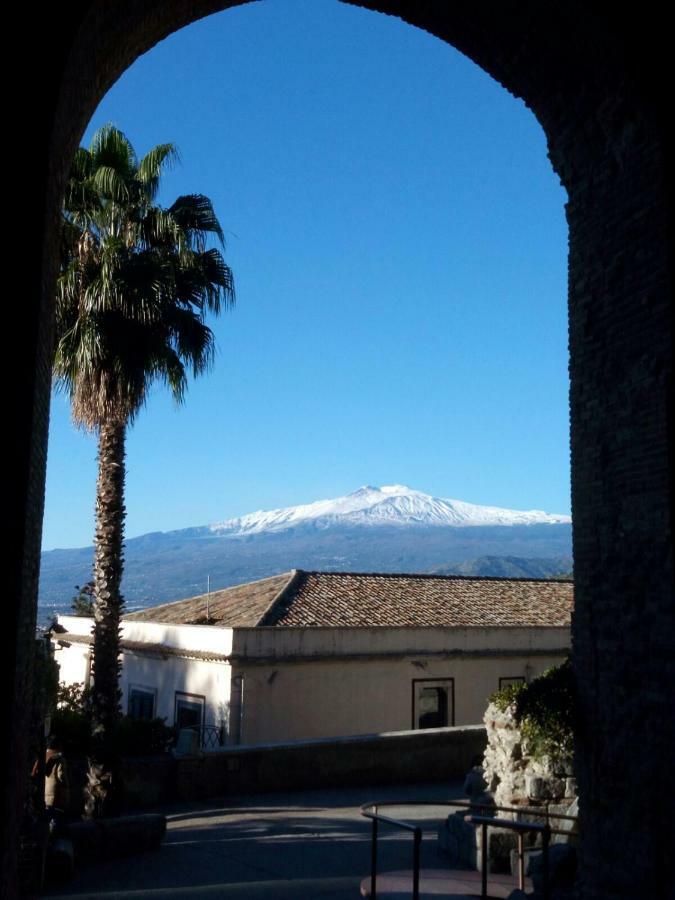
column 521, row 827
column 417, row 840
column 467, row 804
column 371, row 811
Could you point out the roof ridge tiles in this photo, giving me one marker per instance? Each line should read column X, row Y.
column 295, row 576
column 432, row 575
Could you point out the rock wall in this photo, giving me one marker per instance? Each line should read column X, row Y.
column 510, row 776
column 513, row 777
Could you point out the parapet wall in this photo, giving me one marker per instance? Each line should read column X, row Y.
column 437, row 754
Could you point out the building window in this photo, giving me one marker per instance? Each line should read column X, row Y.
column 433, row 702
column 141, row 702
column 189, row 711
column 507, row 682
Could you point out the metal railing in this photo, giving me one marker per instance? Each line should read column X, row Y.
column 371, row 811
column 396, row 823
column 211, row 737
column 521, row 828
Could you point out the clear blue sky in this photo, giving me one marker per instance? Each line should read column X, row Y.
column 399, row 244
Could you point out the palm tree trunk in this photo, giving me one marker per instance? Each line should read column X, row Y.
column 108, row 602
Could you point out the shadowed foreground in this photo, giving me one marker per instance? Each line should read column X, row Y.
column 301, row 844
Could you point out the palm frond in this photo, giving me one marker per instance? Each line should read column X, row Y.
column 195, row 215
column 135, row 283
column 110, row 184
column 153, row 164
column 110, row 148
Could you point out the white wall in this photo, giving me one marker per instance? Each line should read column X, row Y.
column 193, row 637
column 73, row 662
column 210, row 680
column 163, row 674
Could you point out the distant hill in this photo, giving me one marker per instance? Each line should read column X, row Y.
column 510, row 567
column 388, row 529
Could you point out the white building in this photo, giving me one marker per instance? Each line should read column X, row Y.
column 319, row 654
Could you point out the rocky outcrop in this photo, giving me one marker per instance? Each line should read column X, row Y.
column 514, row 777
column 510, row 776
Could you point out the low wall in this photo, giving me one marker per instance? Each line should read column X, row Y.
column 437, row 754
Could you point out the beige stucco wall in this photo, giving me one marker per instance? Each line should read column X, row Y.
column 310, row 643
column 324, row 682
column 291, row 701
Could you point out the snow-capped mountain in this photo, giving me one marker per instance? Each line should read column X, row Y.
column 393, row 504
column 374, row 529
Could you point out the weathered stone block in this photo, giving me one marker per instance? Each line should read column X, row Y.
column 539, row 787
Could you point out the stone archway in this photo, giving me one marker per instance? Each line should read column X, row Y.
column 597, row 83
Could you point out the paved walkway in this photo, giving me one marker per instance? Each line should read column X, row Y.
column 304, row 845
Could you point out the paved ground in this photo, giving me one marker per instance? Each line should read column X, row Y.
column 305, row 845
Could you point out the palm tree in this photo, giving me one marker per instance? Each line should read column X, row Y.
column 136, row 282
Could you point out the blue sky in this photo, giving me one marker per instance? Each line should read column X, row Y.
column 399, row 245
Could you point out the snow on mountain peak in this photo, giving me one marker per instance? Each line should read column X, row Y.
column 393, row 504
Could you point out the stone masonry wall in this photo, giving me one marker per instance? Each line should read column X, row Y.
column 514, row 777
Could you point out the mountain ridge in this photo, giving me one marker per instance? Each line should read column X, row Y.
column 394, row 504
column 172, row 565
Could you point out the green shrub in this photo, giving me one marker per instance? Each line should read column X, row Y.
column 69, row 721
column 504, row 697
column 545, row 711
column 73, row 697
column 133, row 737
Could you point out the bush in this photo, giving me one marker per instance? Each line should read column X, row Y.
column 504, row 697
column 133, row 737
column 545, row 711
column 69, row 721
column 72, row 697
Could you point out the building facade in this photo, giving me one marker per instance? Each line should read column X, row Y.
column 308, row 655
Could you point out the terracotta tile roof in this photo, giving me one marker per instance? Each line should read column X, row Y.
column 332, row 599
column 240, row 606
column 352, row 599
